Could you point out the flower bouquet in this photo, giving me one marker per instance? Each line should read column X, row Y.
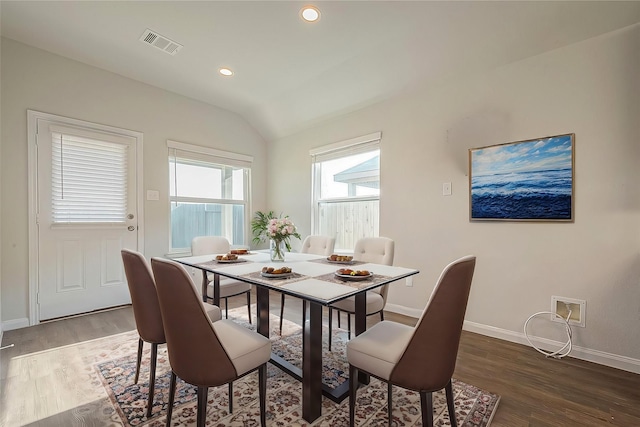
column 279, row 231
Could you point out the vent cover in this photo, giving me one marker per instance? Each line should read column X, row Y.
column 160, row 42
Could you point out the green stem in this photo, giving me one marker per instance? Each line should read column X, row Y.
column 278, row 253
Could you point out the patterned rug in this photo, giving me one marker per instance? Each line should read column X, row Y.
column 116, row 370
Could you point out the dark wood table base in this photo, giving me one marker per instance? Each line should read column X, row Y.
column 311, row 373
column 313, row 388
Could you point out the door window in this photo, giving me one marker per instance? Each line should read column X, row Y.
column 89, row 179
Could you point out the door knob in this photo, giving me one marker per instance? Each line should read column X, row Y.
column 131, row 228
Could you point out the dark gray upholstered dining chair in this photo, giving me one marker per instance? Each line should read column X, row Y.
column 377, row 250
column 204, row 353
column 318, row 245
column 146, row 311
column 420, row 358
column 204, row 245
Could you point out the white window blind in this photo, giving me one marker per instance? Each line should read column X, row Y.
column 346, row 148
column 208, row 155
column 89, row 178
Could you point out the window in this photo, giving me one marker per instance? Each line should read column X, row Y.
column 209, row 194
column 346, row 190
column 89, row 177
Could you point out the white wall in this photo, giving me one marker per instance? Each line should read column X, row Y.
column 37, row 80
column 590, row 89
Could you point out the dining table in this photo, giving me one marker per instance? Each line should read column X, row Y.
column 317, row 281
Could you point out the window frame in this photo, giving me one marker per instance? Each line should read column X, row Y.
column 209, row 156
column 361, row 144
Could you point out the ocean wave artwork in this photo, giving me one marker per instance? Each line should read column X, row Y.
column 525, row 180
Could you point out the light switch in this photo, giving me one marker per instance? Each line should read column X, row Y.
column 446, row 189
column 153, row 195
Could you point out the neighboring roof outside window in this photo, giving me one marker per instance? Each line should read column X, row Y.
column 365, row 174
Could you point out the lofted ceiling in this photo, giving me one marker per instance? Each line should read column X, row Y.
column 290, row 75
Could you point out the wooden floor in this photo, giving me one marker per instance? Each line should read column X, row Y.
column 534, row 390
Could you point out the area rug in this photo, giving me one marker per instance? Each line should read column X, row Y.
column 116, row 369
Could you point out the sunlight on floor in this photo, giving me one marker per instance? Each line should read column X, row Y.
column 44, row 385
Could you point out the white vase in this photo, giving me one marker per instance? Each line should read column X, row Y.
column 276, row 250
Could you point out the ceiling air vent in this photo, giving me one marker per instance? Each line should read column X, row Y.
column 160, row 42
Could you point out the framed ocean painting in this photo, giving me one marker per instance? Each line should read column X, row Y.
column 528, row 180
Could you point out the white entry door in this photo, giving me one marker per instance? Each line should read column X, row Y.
column 87, row 212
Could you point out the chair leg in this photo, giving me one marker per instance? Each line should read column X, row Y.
column 152, row 377
column 226, row 308
column 389, row 405
column 339, row 316
column 140, row 344
column 231, row 397
column 381, row 316
column 262, row 391
column 281, row 311
column 426, row 406
column 450, row 405
column 348, row 325
column 249, row 305
column 201, row 418
column 172, row 393
column 353, row 387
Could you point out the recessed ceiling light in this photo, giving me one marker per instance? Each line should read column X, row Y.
column 225, row 72
column 310, row 13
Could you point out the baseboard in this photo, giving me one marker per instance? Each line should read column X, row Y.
column 401, row 309
column 600, row 357
column 10, row 325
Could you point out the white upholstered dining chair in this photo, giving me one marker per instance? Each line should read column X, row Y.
column 318, row 245
column 377, row 250
column 420, row 358
column 204, row 245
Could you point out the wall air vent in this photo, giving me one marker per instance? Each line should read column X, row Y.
column 160, row 42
